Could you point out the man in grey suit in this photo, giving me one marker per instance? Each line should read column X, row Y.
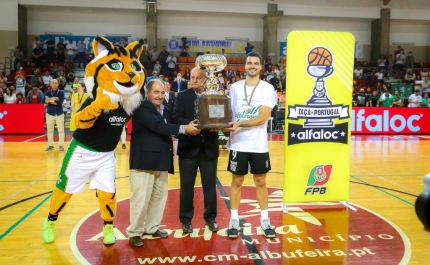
column 151, row 159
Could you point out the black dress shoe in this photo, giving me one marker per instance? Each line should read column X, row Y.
column 212, row 225
column 159, row 233
column 135, row 241
column 187, row 228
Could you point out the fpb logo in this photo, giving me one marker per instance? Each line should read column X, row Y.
column 173, row 44
column 318, row 177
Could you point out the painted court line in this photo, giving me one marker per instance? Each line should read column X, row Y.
column 29, row 140
column 24, row 217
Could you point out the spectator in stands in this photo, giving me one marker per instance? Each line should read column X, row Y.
column 9, row 97
column 281, row 100
column 268, row 64
column 70, row 51
column 67, row 67
column 37, row 56
column 425, row 100
column 171, row 64
column 20, row 98
column 179, row 84
column 46, row 79
column 248, row 48
column 54, row 115
column 20, row 84
column 400, row 63
column 61, row 80
column 373, row 100
column 19, row 55
column 157, row 67
column 409, row 76
column 368, row 75
column 163, row 58
column 386, row 100
column 424, row 72
column 230, row 73
column 82, row 53
column 276, row 83
column 153, row 76
column 415, row 99
column 221, row 81
column 154, row 57
column 1, row 96
column 145, row 58
column 61, row 48
column 426, row 85
column 70, row 77
column 223, row 52
column 397, row 100
column 36, row 80
column 360, row 99
column 358, row 73
column 399, row 49
column 35, row 41
column 122, row 42
column 389, row 64
column 229, row 83
column 410, row 59
column 380, row 78
column 381, row 62
column 35, row 96
column 187, row 74
column 22, row 72
column 3, row 82
column 50, row 49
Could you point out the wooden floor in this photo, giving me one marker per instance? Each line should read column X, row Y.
column 386, row 176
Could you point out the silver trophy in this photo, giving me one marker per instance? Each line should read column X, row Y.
column 211, row 109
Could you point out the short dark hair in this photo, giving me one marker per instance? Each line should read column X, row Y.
column 254, row 54
column 148, row 86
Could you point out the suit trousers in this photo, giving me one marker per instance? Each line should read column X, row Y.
column 188, row 173
column 147, row 202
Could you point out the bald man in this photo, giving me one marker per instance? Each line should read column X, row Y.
column 196, row 152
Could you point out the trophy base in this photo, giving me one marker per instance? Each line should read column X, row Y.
column 213, row 126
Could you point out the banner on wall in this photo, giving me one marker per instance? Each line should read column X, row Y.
column 12, row 120
column 317, row 125
column 76, row 38
column 358, row 50
column 213, row 46
column 283, row 49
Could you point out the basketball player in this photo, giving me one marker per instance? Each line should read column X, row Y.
column 252, row 101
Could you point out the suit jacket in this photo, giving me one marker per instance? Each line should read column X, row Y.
column 189, row 146
column 171, row 102
column 151, row 146
column 183, row 85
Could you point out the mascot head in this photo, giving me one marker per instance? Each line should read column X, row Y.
column 117, row 71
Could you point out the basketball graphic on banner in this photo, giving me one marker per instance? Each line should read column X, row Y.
column 320, row 56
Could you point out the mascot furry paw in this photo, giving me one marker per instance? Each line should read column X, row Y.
column 113, row 79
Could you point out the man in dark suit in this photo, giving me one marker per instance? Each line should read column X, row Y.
column 196, row 152
column 169, row 97
column 151, row 158
column 179, row 84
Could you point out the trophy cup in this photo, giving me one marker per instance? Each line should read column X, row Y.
column 211, row 109
column 320, row 66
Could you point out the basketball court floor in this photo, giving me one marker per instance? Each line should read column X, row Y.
column 377, row 226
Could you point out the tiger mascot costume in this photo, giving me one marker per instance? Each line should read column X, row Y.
column 113, row 80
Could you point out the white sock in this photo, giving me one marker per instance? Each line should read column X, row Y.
column 234, row 214
column 264, row 214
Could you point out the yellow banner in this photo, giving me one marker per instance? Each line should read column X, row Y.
column 317, row 120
